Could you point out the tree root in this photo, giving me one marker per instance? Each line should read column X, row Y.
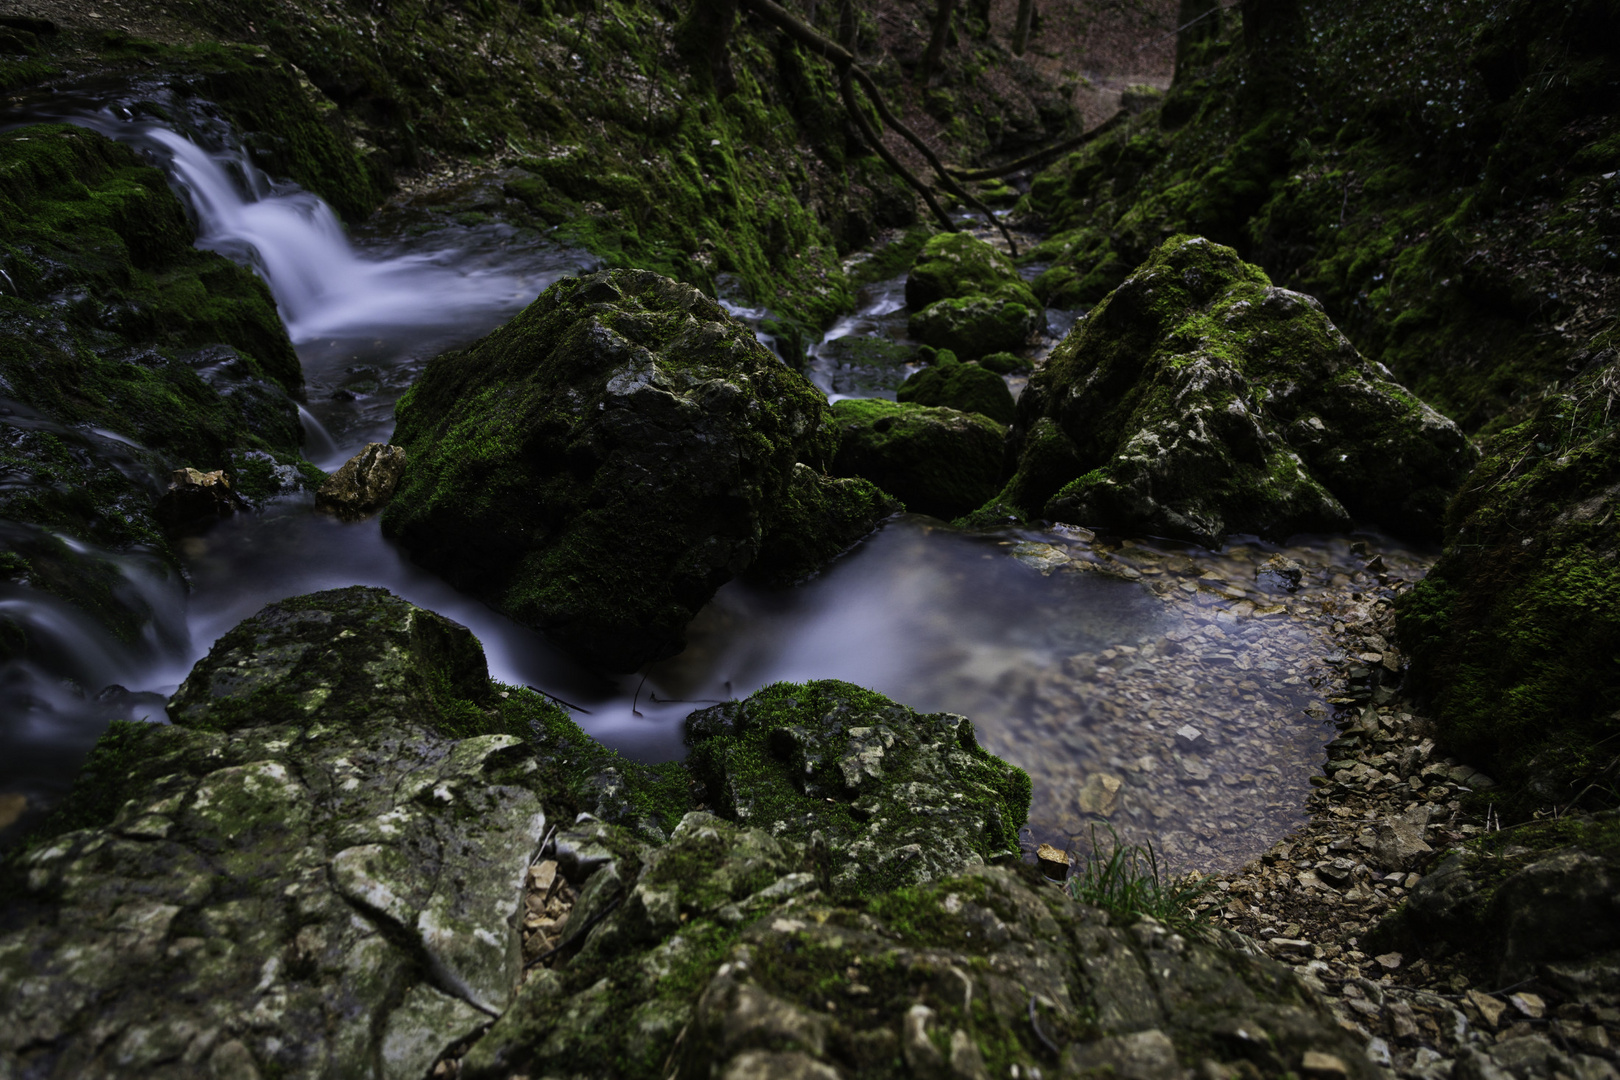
column 1043, row 157
column 849, row 73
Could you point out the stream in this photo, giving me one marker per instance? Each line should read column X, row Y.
column 1174, row 694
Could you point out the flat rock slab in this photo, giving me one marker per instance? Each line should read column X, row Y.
column 314, row 872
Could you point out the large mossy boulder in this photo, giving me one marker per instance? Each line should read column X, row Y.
column 1515, row 632
column 965, row 387
column 1198, row 400
column 599, row 466
column 885, row 796
column 717, row 956
column 966, row 296
column 937, row 461
column 314, row 871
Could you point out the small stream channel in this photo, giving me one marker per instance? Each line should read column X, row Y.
column 1174, row 694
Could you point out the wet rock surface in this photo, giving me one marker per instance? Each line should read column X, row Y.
column 935, row 460
column 604, row 462
column 125, row 353
column 364, row 483
column 324, row 843
column 1198, row 400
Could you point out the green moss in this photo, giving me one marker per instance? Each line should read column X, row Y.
column 937, row 461
column 965, row 387
column 1447, row 209
column 779, row 761
column 1514, row 634
column 1197, row 396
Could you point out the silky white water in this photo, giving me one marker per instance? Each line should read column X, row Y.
column 933, row 617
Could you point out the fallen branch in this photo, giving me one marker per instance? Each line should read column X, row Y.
column 1043, row 157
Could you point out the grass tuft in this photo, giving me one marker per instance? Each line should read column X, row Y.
column 1127, row 882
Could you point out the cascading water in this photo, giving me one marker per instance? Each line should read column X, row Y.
column 1070, row 673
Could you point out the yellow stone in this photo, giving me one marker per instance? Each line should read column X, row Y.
column 1100, row 794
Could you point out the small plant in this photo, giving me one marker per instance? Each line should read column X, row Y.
column 1126, row 882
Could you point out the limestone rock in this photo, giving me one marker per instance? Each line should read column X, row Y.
column 364, row 483
column 599, row 466
column 316, row 867
column 884, row 795
column 1197, row 400
column 935, row 460
column 969, row 388
column 1100, row 795
column 664, row 912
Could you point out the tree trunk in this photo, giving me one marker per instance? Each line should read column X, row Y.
column 943, row 13
column 1026, row 12
column 1273, row 34
column 704, row 38
column 1197, row 21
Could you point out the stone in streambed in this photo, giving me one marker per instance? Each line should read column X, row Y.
column 195, row 497
column 935, row 460
column 967, row 296
column 364, row 483
column 1198, row 400
column 949, row 383
column 603, row 463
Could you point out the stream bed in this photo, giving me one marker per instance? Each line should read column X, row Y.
column 1173, row 694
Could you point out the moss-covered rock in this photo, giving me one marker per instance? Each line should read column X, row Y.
column 1515, row 632
column 956, row 265
column 942, row 979
column 1198, row 400
column 599, row 466
column 967, row 296
column 965, row 387
column 817, row 519
column 976, row 325
column 1454, row 214
column 331, row 839
column 885, row 796
column 617, row 1007
column 937, row 461
column 1542, row 899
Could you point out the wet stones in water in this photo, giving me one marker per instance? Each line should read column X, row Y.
column 866, row 364
column 966, row 387
column 603, row 463
column 195, row 498
column 1197, row 400
column 935, row 460
column 967, row 296
column 885, row 796
column 364, row 483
